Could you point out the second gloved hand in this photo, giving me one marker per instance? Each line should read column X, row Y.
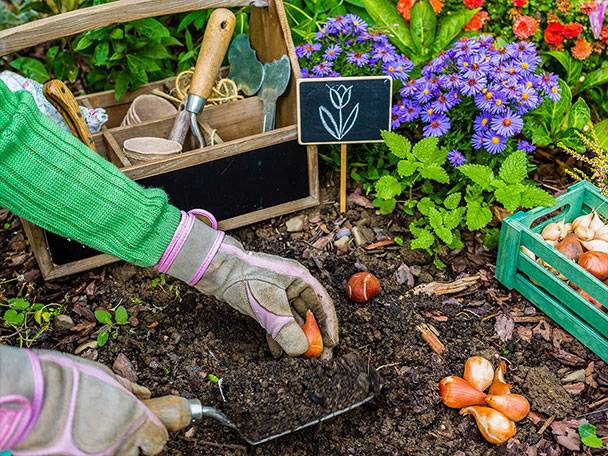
column 275, row 291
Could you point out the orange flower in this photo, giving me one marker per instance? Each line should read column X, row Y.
column 437, row 6
column 582, row 49
column 477, row 22
column 604, row 35
column 405, row 8
column 563, row 6
column 552, row 18
column 525, row 26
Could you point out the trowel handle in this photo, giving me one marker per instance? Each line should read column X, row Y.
column 215, row 44
column 174, row 412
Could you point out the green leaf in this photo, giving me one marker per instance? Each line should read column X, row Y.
column 151, row 28
column 84, row 42
column 103, row 317
column 154, row 51
column 510, row 196
column 385, row 207
column 121, row 315
column 594, row 78
column 19, row 303
column 398, row 240
column 121, row 85
column 557, row 112
column 426, row 150
column 31, row 68
column 452, row 201
column 515, row 168
column 571, row 139
column 450, row 27
column 117, row 34
column 479, row 174
column 213, row 378
column 399, row 145
column 491, row 239
column 423, row 239
column 387, row 187
column 452, row 219
column 423, row 24
column 425, row 205
column 580, row 116
column 436, row 222
column 601, row 130
column 406, row 168
column 435, row 172
column 532, row 197
column 537, row 130
column 14, row 318
column 137, row 68
column 385, row 15
column 102, row 338
column 102, row 51
column 572, row 67
column 588, row 433
column 478, row 216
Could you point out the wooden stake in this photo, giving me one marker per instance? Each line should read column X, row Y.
column 343, row 178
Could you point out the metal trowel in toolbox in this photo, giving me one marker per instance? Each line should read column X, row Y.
column 276, row 77
column 177, row 413
column 245, row 68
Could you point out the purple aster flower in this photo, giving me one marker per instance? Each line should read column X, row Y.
column 477, row 140
column 412, row 111
column 494, row 143
column 453, row 98
column 450, row 81
column 305, row 73
column 456, row 158
column 379, row 38
column 332, row 52
column 526, row 146
column 482, row 122
column 498, row 103
column 358, row 24
column 442, row 104
column 527, row 64
column 395, row 118
column 439, row 126
column 384, row 52
column 306, row 49
column 363, row 37
column 357, row 58
column 528, row 98
column 485, row 99
column 428, row 113
column 409, row 88
column 507, row 124
column 322, row 33
column 553, row 93
column 473, row 86
column 338, row 23
column 322, row 69
column 547, row 80
column 476, row 66
column 395, row 70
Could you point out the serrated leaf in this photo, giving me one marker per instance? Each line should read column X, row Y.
column 399, row 145
column 436, row 222
column 479, row 174
column 515, row 167
column 435, row 172
column 510, row 196
column 121, row 315
column 478, row 216
column 452, row 201
column 385, row 207
column 387, row 187
column 426, row 149
column 425, row 205
column 103, row 317
column 532, row 197
column 452, row 219
column 423, row 239
column 406, row 168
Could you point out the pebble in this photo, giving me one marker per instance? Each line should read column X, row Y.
column 84, row 346
column 363, row 235
column 295, row 224
column 342, row 244
column 64, row 322
column 124, row 367
column 342, row 233
column 576, row 376
column 190, row 433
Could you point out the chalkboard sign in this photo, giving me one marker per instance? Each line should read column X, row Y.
column 343, row 110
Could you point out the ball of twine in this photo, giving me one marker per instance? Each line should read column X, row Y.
column 223, row 91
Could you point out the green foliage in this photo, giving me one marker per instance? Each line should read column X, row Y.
column 16, row 12
column 443, row 200
column 424, row 37
column 589, row 438
column 554, row 123
column 120, row 318
column 27, row 320
column 304, row 16
column 578, row 80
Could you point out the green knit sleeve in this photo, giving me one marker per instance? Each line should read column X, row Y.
column 53, row 180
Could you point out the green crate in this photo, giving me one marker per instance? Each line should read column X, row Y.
column 553, row 296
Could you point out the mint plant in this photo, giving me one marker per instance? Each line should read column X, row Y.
column 27, row 320
column 121, row 318
column 445, row 200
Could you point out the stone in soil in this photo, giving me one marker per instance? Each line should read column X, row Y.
column 546, row 394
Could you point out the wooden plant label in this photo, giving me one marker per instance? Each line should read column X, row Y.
column 343, row 110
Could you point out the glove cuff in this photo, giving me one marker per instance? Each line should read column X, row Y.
column 19, row 414
column 198, row 240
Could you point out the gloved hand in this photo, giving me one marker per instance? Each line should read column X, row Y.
column 274, row 291
column 59, row 405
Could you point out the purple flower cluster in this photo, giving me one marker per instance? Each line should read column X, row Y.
column 345, row 46
column 502, row 83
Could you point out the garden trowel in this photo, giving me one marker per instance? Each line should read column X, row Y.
column 276, row 77
column 245, row 68
column 215, row 43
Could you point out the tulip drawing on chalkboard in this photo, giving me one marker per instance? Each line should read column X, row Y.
column 340, row 98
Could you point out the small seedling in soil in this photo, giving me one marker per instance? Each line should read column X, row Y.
column 18, row 315
column 121, row 318
column 588, row 433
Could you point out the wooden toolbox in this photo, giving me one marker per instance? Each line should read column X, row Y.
column 245, row 177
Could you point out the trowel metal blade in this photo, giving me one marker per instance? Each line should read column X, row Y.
column 245, row 69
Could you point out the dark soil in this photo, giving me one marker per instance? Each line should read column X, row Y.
column 179, row 341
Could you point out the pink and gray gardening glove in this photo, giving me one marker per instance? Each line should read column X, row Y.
column 274, row 291
column 60, row 405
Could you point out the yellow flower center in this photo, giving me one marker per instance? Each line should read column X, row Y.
column 524, row 65
column 506, row 122
column 495, row 140
column 489, row 95
column 498, row 102
column 525, row 96
column 554, row 89
column 484, row 121
column 528, row 84
column 465, row 64
column 430, row 111
column 425, row 91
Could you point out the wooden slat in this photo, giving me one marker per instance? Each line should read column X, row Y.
column 82, row 20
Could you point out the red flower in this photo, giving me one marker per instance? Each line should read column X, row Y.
column 572, row 30
column 554, row 34
column 477, row 22
column 405, row 8
column 520, row 3
column 472, row 4
column 604, row 35
column 525, row 26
